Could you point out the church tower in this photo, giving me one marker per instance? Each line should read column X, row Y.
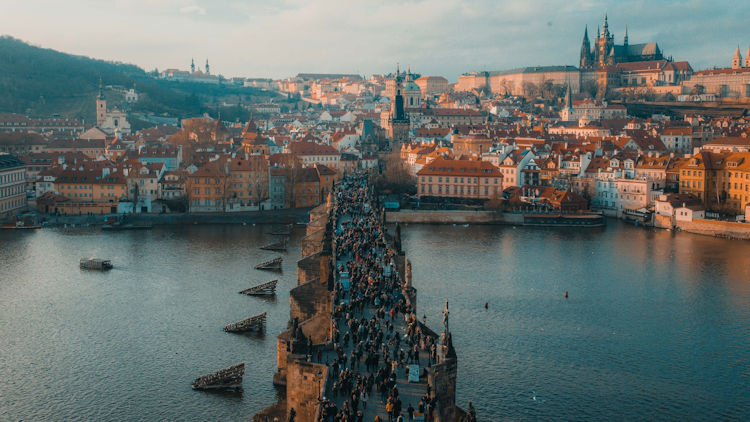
column 737, row 59
column 208, row 72
column 586, row 61
column 625, row 40
column 747, row 58
column 398, row 122
column 101, row 105
column 192, row 66
column 605, row 44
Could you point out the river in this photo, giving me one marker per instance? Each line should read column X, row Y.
column 656, row 325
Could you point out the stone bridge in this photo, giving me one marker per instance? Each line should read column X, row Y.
column 304, row 350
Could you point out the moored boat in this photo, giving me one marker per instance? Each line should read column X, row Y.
column 96, row 264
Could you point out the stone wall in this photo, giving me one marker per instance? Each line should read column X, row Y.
column 305, row 383
column 725, row 229
column 663, row 221
column 453, row 217
column 442, row 378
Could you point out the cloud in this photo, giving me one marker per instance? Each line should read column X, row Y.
column 279, row 38
column 192, row 10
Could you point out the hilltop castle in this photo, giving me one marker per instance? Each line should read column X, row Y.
column 605, row 52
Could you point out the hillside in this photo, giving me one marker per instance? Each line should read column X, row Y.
column 41, row 82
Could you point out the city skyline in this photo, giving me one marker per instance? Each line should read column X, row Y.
column 281, row 40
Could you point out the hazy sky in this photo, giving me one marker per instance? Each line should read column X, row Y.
column 271, row 38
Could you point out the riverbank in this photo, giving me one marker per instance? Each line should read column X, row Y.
column 494, row 217
column 287, row 216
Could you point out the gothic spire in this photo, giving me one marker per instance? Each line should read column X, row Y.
column 625, row 42
column 605, row 28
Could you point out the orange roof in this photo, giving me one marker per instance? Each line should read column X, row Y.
column 446, row 167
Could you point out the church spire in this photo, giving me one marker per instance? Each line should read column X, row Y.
column 737, row 59
column 605, row 28
column 192, row 65
column 625, row 42
column 585, row 60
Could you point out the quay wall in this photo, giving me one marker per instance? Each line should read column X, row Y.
column 287, row 216
column 453, row 217
column 725, row 229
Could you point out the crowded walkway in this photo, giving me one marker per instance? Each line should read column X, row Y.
column 378, row 345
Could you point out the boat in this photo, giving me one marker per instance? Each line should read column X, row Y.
column 256, row 323
column 225, row 379
column 286, row 231
column 279, row 246
column 128, row 226
column 20, row 226
column 272, row 265
column 96, row 264
column 265, row 289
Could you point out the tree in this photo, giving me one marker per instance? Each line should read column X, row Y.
column 590, row 88
column 395, row 176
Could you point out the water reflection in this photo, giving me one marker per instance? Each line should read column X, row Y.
column 650, row 314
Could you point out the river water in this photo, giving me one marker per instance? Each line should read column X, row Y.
column 656, row 326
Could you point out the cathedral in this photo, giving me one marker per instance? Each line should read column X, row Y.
column 604, row 51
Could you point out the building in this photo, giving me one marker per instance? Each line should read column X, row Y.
column 720, row 179
column 591, row 110
column 732, row 82
column 277, row 187
column 112, row 122
column 432, row 86
column 398, row 124
column 12, row 185
column 678, row 139
column 310, row 153
column 172, row 185
column 88, row 191
column 520, row 81
column 605, row 52
column 94, row 149
column 247, row 187
column 443, row 177
column 20, row 143
column 306, row 188
column 207, row 189
column 728, row 144
column 170, row 156
column 471, row 144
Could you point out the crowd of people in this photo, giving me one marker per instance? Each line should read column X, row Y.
column 375, row 331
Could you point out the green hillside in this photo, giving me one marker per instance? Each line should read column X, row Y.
column 41, row 82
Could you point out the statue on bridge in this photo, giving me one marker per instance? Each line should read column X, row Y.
column 446, row 312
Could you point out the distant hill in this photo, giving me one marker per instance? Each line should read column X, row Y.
column 41, row 82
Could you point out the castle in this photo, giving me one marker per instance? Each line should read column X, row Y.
column 605, row 52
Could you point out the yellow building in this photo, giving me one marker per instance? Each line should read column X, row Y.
column 720, row 179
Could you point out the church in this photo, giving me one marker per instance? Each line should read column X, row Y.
column 111, row 122
column 605, row 52
column 609, row 65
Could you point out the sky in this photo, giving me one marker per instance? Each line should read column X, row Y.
column 280, row 38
